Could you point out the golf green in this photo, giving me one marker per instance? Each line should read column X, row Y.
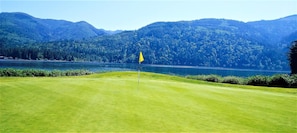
column 115, row 102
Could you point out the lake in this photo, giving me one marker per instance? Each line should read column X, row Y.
column 105, row 67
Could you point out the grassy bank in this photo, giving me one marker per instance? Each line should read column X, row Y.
column 114, row 102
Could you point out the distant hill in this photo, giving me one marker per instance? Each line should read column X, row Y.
column 204, row 42
column 21, row 27
column 288, row 39
column 277, row 30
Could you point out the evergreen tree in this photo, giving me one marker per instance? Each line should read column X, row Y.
column 293, row 57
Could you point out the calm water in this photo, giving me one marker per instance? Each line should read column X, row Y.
column 101, row 67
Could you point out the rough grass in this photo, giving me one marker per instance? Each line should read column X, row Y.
column 114, row 102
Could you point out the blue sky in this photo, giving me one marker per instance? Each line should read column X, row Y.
column 134, row 14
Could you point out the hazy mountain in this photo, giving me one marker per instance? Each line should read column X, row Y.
column 204, row 42
column 288, row 39
column 23, row 27
column 276, row 30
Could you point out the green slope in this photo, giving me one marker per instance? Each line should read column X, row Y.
column 114, row 102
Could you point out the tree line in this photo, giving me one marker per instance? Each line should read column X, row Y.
column 211, row 50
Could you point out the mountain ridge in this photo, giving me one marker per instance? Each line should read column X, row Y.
column 203, row 42
column 46, row 29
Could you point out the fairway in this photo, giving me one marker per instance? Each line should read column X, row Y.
column 160, row 103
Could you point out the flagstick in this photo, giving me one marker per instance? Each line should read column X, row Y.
column 138, row 74
column 141, row 59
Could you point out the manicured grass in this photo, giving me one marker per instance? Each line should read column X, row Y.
column 114, row 102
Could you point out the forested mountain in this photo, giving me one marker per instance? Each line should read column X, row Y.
column 204, row 42
column 23, row 28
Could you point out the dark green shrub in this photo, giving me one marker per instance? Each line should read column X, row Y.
column 1, row 74
column 209, row 78
column 27, row 73
column 39, row 73
column 77, row 72
column 212, row 78
column 258, row 80
column 280, row 80
column 10, row 72
column 294, row 80
column 232, row 80
column 68, row 73
column 84, row 72
column 55, row 73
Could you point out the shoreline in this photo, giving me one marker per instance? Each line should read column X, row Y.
column 152, row 65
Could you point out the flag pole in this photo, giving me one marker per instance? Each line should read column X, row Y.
column 141, row 59
column 138, row 74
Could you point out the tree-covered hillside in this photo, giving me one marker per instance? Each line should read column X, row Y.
column 205, row 42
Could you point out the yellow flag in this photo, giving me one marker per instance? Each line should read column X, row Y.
column 141, row 59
